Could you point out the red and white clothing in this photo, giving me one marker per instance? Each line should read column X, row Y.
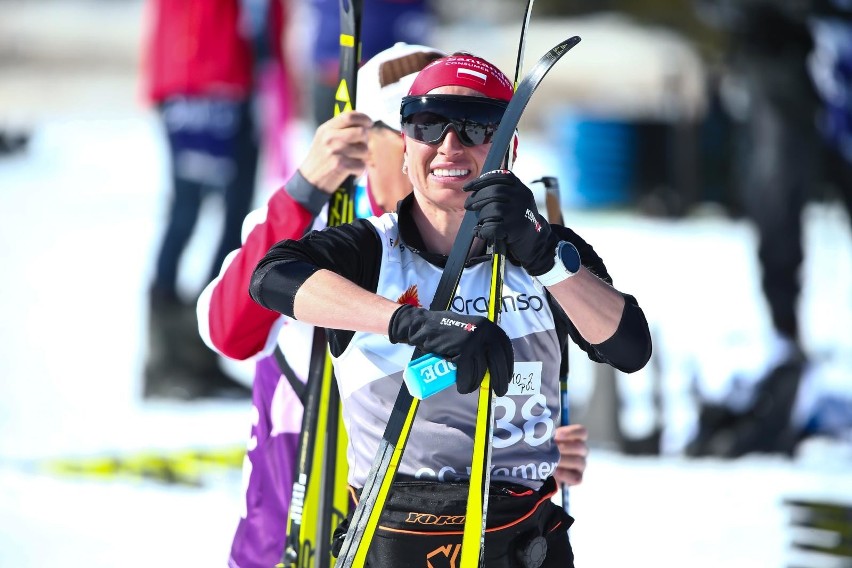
column 232, row 324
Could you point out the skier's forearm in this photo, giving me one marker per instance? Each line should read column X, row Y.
column 592, row 305
column 611, row 322
column 327, row 300
column 320, row 297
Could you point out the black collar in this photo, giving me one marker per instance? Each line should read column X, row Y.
column 410, row 236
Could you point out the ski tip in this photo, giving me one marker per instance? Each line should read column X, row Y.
column 561, row 48
column 572, row 41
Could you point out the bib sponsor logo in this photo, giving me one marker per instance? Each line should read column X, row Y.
column 534, row 471
column 511, row 303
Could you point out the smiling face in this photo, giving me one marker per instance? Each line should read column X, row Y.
column 438, row 172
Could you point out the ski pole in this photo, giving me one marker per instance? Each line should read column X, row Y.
column 319, row 488
column 553, row 204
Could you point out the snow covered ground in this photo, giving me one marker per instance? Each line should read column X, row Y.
column 80, row 213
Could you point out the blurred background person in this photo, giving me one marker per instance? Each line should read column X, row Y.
column 385, row 22
column 791, row 62
column 204, row 60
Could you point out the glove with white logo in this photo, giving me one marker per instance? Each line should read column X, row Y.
column 507, row 212
column 471, row 342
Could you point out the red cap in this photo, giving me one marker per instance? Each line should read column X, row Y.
column 463, row 71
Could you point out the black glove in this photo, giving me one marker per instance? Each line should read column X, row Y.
column 471, row 342
column 507, row 211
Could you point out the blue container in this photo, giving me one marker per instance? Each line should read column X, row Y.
column 427, row 375
column 598, row 160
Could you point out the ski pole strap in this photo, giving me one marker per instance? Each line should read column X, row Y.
column 286, row 370
column 423, row 522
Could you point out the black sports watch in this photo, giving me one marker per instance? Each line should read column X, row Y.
column 566, row 264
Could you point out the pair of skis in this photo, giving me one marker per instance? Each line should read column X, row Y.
column 476, row 511
column 374, row 495
column 821, row 532
column 320, row 499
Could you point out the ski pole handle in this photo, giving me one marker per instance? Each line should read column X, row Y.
column 428, row 375
column 552, row 199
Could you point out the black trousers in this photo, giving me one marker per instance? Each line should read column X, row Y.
column 784, row 165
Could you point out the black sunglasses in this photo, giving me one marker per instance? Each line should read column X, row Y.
column 428, row 118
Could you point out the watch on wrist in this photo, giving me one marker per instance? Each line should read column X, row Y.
column 566, row 264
